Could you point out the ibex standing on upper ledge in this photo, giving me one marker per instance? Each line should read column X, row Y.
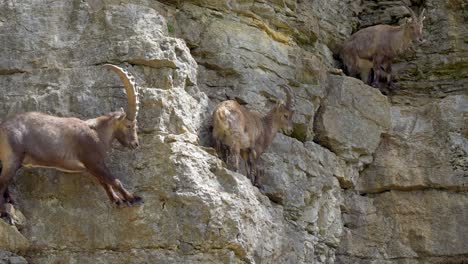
column 373, row 48
column 248, row 133
column 69, row 144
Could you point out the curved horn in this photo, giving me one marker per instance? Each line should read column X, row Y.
column 130, row 89
column 421, row 16
column 289, row 96
column 413, row 15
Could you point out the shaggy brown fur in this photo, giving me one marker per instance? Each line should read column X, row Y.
column 373, row 48
column 248, row 134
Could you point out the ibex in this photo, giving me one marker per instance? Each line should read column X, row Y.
column 35, row 139
column 373, row 48
column 248, row 134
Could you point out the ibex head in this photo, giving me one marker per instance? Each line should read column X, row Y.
column 415, row 25
column 283, row 112
column 125, row 124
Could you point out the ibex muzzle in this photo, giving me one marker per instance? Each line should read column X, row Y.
column 126, row 132
column 69, row 144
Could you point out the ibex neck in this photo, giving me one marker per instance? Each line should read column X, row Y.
column 404, row 39
column 270, row 128
column 103, row 127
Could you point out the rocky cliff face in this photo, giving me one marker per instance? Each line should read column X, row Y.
column 364, row 178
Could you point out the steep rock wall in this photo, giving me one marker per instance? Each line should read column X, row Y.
column 411, row 202
column 362, row 179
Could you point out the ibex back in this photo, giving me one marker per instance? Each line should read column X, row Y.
column 69, row 144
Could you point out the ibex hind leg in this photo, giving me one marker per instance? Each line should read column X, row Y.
column 391, row 84
column 252, row 169
column 246, row 157
column 8, row 172
column 233, row 157
column 218, row 146
column 251, row 159
column 366, row 77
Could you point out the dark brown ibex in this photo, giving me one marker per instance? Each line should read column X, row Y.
column 373, row 48
column 69, row 144
column 248, row 134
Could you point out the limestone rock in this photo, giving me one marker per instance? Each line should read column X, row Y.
column 195, row 210
column 251, row 66
column 421, row 220
column 11, row 258
column 309, row 170
column 352, row 118
column 427, row 147
column 16, row 217
column 436, row 67
column 11, row 239
column 379, row 184
column 411, row 200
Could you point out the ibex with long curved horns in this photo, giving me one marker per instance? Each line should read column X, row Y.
column 248, row 134
column 373, row 48
column 69, row 144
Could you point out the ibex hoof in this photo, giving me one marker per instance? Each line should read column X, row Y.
column 7, row 218
column 137, row 200
column 393, row 87
column 121, row 203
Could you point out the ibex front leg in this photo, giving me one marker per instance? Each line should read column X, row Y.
column 250, row 158
column 109, row 182
column 7, row 197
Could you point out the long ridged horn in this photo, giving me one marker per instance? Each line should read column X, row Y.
column 421, row 16
column 413, row 15
column 131, row 90
column 289, row 96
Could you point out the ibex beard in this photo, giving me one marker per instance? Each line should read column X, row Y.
column 72, row 145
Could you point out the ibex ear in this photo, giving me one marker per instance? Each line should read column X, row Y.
column 279, row 103
column 406, row 21
column 122, row 115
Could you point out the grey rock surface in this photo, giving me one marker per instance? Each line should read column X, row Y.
column 363, row 178
column 352, row 118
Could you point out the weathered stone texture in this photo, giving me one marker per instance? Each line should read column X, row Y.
column 246, row 52
column 352, row 118
column 427, row 148
column 11, row 239
column 196, row 211
column 409, row 204
column 419, row 227
column 364, row 178
column 438, row 66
